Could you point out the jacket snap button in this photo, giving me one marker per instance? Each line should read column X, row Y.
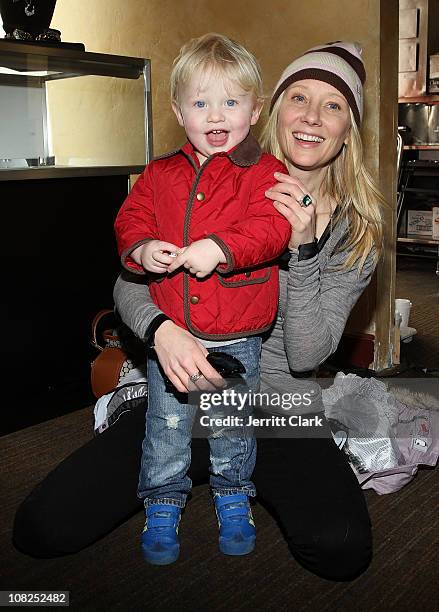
column 195, row 299
column 247, row 274
column 200, row 196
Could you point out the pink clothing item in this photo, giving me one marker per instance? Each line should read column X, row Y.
column 386, row 433
column 417, row 437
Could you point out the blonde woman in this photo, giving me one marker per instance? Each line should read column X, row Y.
column 333, row 207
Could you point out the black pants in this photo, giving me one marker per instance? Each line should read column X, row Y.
column 306, row 483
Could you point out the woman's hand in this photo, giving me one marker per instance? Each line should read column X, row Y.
column 181, row 355
column 287, row 195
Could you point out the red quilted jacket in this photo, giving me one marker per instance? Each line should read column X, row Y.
column 178, row 201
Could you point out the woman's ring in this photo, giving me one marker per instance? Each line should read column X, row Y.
column 306, row 201
column 195, row 377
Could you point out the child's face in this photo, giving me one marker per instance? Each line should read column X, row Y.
column 215, row 112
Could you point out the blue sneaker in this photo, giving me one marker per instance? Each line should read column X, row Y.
column 160, row 543
column 237, row 534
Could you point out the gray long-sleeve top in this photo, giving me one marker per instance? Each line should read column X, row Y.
column 316, row 297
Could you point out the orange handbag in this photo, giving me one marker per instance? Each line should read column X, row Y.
column 112, row 362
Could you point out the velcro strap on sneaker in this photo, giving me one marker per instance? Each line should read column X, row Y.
column 161, row 521
column 234, row 513
column 223, row 500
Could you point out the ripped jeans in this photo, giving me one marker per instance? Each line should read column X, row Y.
column 166, row 448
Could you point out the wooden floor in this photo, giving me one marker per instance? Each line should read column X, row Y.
column 110, row 575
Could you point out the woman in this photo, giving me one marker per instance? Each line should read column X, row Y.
column 334, row 209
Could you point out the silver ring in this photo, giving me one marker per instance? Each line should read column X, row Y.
column 195, row 377
column 306, row 201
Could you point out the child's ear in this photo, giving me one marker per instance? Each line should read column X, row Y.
column 257, row 108
column 177, row 110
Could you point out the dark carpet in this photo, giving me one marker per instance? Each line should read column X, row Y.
column 416, row 280
column 111, row 575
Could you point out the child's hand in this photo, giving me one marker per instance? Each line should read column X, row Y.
column 200, row 258
column 154, row 255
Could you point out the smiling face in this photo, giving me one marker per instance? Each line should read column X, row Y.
column 313, row 123
column 215, row 112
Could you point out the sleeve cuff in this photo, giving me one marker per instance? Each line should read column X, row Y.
column 229, row 265
column 308, row 250
column 153, row 327
column 128, row 262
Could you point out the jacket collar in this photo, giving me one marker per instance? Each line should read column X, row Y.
column 246, row 153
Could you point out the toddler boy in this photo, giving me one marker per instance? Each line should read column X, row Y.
column 205, row 203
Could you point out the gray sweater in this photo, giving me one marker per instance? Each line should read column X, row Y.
column 315, row 300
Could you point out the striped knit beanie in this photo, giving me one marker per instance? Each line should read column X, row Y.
column 337, row 63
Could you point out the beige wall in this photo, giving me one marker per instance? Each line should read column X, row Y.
column 97, row 120
column 276, row 31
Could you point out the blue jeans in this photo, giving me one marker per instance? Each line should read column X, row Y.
column 166, row 448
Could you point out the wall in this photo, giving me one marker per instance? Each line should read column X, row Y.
column 276, row 32
column 157, row 28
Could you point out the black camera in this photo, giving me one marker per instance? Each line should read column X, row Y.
column 227, row 366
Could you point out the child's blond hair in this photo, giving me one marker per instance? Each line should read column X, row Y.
column 223, row 56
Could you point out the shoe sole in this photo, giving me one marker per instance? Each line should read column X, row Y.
column 161, row 558
column 236, row 549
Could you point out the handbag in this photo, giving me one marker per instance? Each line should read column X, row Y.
column 112, row 363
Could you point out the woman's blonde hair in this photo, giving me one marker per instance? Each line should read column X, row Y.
column 350, row 184
column 224, row 56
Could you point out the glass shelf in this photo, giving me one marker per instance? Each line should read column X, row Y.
column 425, row 99
column 49, row 172
column 50, row 63
column 65, row 112
column 418, row 240
column 434, row 147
